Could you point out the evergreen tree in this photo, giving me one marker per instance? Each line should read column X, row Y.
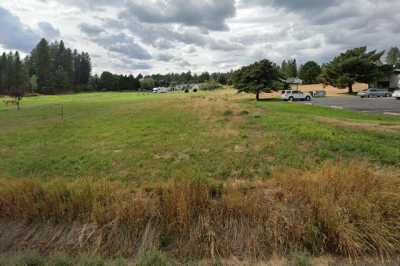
column 309, row 72
column 355, row 65
column 258, row 77
column 3, row 73
column 43, row 65
column 85, row 69
column 393, row 56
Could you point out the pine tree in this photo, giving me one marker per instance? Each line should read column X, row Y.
column 393, row 56
column 3, row 73
column 43, row 65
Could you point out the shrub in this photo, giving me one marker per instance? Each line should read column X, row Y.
column 228, row 113
column 210, row 85
column 300, row 259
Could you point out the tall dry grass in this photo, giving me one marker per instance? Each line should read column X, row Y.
column 341, row 209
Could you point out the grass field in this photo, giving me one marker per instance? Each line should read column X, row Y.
column 198, row 176
column 144, row 138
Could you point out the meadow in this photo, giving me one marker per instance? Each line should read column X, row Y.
column 144, row 138
column 204, row 175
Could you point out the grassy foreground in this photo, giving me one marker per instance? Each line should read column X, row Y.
column 200, row 176
column 146, row 138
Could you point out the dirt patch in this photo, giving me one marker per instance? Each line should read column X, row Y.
column 361, row 125
column 330, row 90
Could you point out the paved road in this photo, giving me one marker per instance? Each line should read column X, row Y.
column 378, row 105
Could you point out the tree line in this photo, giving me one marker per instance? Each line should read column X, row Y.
column 108, row 81
column 13, row 73
column 50, row 68
column 354, row 65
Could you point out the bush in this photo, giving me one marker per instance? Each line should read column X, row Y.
column 210, row 85
column 228, row 113
column 300, row 259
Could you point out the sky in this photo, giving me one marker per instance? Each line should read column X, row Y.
column 162, row 36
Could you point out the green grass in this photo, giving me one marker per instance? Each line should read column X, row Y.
column 147, row 138
column 301, row 137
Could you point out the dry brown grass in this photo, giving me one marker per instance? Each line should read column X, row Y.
column 330, row 90
column 362, row 125
column 342, row 209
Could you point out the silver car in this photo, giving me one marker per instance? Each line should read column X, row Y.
column 374, row 93
column 290, row 95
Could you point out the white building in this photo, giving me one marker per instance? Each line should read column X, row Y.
column 389, row 81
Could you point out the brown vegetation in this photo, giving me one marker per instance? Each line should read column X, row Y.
column 342, row 209
column 361, row 125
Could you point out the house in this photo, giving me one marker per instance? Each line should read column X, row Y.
column 294, row 83
column 390, row 80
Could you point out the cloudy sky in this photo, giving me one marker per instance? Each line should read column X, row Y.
column 159, row 36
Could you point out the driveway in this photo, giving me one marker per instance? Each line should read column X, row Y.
column 377, row 105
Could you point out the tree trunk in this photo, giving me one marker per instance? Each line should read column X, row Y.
column 258, row 95
column 351, row 88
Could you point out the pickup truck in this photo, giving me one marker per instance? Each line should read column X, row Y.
column 290, row 95
column 374, row 93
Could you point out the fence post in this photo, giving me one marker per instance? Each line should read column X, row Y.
column 62, row 112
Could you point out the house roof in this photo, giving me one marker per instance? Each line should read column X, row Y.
column 294, row 81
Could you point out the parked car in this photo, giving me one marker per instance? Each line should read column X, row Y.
column 161, row 90
column 396, row 94
column 372, row 92
column 318, row 94
column 290, row 95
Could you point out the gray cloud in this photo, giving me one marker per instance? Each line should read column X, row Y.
column 209, row 14
column 89, row 4
column 14, row 34
column 129, row 64
column 90, row 30
column 124, row 45
column 214, row 35
column 48, row 31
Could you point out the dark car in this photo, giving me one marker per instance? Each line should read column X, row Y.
column 374, row 93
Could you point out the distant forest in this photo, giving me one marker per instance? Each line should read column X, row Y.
column 52, row 68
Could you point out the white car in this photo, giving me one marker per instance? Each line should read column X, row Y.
column 290, row 95
column 161, row 90
column 396, row 94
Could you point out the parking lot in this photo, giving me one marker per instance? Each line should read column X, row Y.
column 378, row 105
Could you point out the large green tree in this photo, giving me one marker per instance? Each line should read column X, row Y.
column 355, row 65
column 258, row 77
column 393, row 56
column 42, row 64
column 309, row 72
column 108, row 81
column 289, row 68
